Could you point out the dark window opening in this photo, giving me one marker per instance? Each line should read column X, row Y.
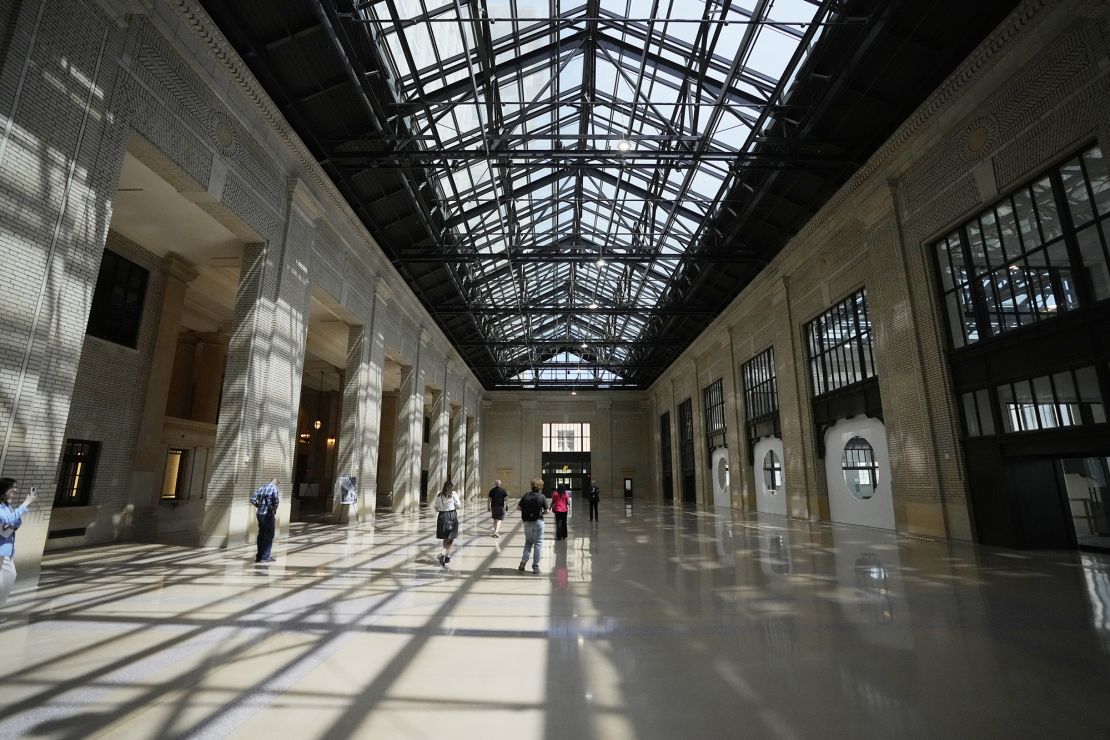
column 665, row 453
column 78, row 470
column 686, row 449
column 117, row 304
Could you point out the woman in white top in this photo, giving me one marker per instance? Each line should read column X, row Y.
column 448, row 505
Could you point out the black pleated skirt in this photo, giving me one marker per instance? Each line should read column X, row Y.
column 447, row 525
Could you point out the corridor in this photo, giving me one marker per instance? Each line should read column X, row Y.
column 656, row 622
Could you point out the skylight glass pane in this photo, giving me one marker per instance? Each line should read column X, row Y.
column 640, row 99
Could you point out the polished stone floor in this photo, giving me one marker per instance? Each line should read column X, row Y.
column 654, row 623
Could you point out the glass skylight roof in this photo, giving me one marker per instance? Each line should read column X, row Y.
column 585, row 148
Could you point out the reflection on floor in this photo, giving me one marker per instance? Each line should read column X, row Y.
column 653, row 623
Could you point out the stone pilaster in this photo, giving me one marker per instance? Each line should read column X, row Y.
column 407, row 442
column 149, row 447
column 262, row 382
column 438, row 443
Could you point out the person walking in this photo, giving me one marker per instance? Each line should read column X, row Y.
column 532, row 506
column 11, row 519
column 560, row 504
column 594, row 497
column 495, row 505
column 448, row 504
column 266, row 500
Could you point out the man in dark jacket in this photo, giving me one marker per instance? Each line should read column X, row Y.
column 593, row 496
column 532, row 507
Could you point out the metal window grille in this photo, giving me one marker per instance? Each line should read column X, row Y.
column 839, row 346
column 1037, row 253
column 761, row 392
column 566, row 437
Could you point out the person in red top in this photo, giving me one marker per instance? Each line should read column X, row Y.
column 560, row 504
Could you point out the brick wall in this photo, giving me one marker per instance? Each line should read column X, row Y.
column 1036, row 90
column 107, row 404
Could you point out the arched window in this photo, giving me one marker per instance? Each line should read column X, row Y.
column 772, row 472
column 861, row 473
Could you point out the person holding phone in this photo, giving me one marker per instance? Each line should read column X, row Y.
column 10, row 520
column 266, row 500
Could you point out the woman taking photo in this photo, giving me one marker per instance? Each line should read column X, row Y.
column 448, row 505
column 10, row 520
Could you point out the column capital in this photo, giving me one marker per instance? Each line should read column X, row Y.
column 178, row 268
column 425, row 336
column 485, row 404
column 118, row 10
column 302, row 197
column 381, row 289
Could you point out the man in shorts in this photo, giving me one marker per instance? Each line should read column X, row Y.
column 496, row 506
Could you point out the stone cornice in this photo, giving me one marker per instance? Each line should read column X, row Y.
column 973, row 69
column 193, row 19
column 964, row 76
column 118, row 10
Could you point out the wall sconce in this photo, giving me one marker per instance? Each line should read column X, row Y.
column 331, row 441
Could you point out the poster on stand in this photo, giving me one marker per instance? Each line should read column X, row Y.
column 348, row 490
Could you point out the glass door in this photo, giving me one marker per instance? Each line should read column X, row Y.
column 1086, row 487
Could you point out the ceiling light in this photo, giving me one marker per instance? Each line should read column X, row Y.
column 583, row 345
column 574, row 393
column 601, row 262
column 593, row 305
column 624, row 145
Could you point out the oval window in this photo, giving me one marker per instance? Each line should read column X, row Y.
column 861, row 473
column 772, row 472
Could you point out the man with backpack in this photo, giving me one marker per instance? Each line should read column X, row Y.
column 532, row 507
column 265, row 500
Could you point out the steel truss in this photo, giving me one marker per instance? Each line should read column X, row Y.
column 573, row 159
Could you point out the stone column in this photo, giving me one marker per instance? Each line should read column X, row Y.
column 676, row 445
column 353, row 448
column 736, row 434
column 601, row 446
column 60, row 160
column 655, row 454
column 371, row 402
column 149, row 457
column 803, row 470
column 473, row 479
column 529, row 467
column 704, row 486
column 407, row 442
column 437, row 454
column 256, row 434
column 457, row 467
